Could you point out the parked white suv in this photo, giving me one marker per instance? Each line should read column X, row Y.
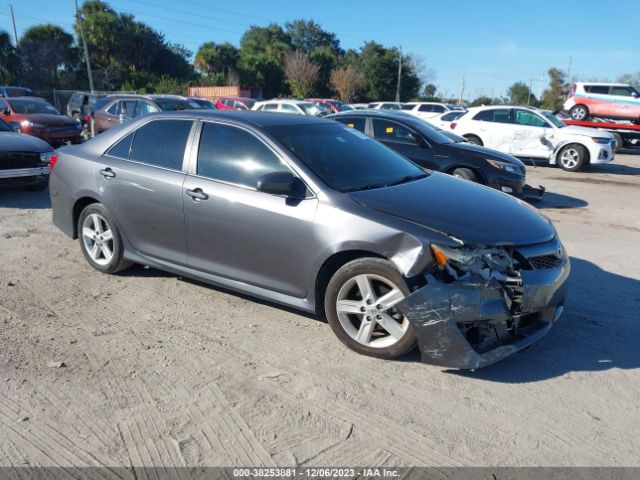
column 533, row 133
column 298, row 107
column 428, row 110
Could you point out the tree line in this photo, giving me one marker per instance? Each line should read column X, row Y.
column 299, row 59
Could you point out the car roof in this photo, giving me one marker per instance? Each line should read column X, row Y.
column 36, row 99
column 287, row 100
column 493, row 107
column 258, row 119
column 604, row 84
column 385, row 114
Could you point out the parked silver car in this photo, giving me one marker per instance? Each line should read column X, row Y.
column 314, row 215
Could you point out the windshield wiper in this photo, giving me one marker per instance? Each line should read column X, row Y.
column 408, row 178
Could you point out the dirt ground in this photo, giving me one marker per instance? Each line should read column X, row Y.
column 165, row 371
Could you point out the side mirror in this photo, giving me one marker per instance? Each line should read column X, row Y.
column 16, row 126
column 282, row 183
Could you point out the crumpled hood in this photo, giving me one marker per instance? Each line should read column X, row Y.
column 475, row 214
column 19, row 142
column 586, row 131
column 50, row 120
column 482, row 152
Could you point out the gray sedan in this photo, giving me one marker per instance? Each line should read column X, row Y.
column 311, row 214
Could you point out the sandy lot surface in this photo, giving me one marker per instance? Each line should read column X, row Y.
column 165, row 371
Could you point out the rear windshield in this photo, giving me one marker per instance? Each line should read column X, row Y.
column 19, row 92
column 32, row 106
column 171, row 104
column 344, row 158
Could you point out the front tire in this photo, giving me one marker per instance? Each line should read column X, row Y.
column 100, row 240
column 579, row 112
column 618, row 142
column 572, row 157
column 466, row 174
column 360, row 307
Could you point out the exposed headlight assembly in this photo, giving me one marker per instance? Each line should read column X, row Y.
column 507, row 167
column 470, row 258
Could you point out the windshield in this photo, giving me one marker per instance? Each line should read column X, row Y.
column 553, row 119
column 32, row 106
column 342, row 107
column 203, row 103
column 345, row 159
column 314, row 108
column 170, row 104
column 4, row 126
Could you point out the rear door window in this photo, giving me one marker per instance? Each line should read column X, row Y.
column 234, row 155
column 286, row 108
column 122, row 148
column 426, row 108
column 498, row 115
column 161, row 143
column 359, row 123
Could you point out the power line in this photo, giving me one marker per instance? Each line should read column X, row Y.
column 190, row 14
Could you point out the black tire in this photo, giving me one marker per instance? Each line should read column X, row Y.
column 579, row 112
column 572, row 157
column 117, row 263
column 618, row 142
column 380, row 268
column 466, row 173
column 474, row 139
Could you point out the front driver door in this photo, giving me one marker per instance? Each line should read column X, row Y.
column 530, row 135
column 235, row 231
column 399, row 138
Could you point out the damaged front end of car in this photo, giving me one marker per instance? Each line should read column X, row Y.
column 482, row 304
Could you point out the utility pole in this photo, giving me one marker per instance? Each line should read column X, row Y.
column 399, row 74
column 540, row 86
column 461, row 90
column 86, row 49
column 444, row 96
column 569, row 71
column 530, row 89
column 13, row 19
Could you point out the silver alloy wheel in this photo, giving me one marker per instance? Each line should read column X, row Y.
column 570, row 158
column 97, row 239
column 365, row 308
column 579, row 113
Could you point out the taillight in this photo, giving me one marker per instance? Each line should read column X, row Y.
column 453, row 125
column 53, row 159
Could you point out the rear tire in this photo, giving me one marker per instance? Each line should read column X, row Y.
column 474, row 139
column 466, row 174
column 579, row 113
column 368, row 323
column 572, row 157
column 100, row 240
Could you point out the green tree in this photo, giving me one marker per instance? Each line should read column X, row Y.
column 261, row 56
column 482, row 100
column 327, row 59
column 633, row 80
column 429, row 90
column 520, row 94
column 46, row 51
column 554, row 96
column 216, row 59
column 379, row 66
column 307, row 35
column 9, row 62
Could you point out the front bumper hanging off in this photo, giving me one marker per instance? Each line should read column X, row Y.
column 474, row 322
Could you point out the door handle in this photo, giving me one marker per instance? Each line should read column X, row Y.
column 197, row 194
column 107, row 173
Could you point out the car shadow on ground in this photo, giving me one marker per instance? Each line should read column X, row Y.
column 150, row 272
column 612, row 169
column 598, row 331
column 15, row 197
column 557, row 200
